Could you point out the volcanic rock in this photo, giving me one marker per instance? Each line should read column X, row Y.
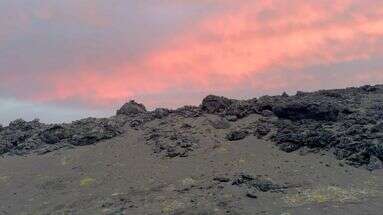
column 257, row 183
column 160, row 113
column 215, row 104
column 237, row 135
column 219, row 123
column 131, row 108
column 298, row 110
column 374, row 164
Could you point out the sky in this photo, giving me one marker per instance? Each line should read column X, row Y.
column 64, row 60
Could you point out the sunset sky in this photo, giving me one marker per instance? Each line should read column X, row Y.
column 63, row 60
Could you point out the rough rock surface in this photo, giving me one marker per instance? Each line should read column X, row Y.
column 22, row 137
column 131, row 108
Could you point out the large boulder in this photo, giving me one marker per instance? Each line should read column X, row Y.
column 55, row 134
column 298, row 110
column 91, row 130
column 22, row 125
column 215, row 104
column 241, row 109
column 160, row 113
column 131, row 108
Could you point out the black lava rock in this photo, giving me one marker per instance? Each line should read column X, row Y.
column 215, row 104
column 257, row 183
column 298, row 110
column 237, row 135
column 131, row 108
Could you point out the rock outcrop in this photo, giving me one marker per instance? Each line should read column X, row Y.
column 346, row 122
column 131, row 108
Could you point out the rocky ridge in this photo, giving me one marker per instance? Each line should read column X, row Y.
column 345, row 122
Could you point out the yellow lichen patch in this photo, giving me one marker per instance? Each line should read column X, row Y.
column 171, row 206
column 3, row 179
column 188, row 182
column 222, row 150
column 85, row 182
column 242, row 161
column 325, row 194
column 64, row 161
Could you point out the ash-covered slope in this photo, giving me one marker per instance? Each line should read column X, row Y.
column 345, row 122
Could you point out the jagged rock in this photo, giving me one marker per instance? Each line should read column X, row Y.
column 358, row 159
column 368, row 88
column 237, row 135
column 135, row 123
column 262, row 130
column 257, row 183
column 376, row 149
column 298, row 110
column 319, row 138
column 374, row 163
column 231, row 118
column 22, row 137
column 289, row 147
column 284, row 94
column 240, row 109
column 160, row 113
column 4, row 146
column 174, row 145
column 91, row 130
column 55, row 134
column 189, row 111
column 342, row 153
column 265, row 103
column 131, row 108
column 377, row 128
column 215, row 104
column 186, row 126
column 267, row 113
column 20, row 124
column 219, row 123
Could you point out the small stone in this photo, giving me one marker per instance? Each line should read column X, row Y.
column 374, row 164
column 267, row 113
column 288, row 147
column 172, row 153
column 231, row 118
column 186, row 126
column 221, row 179
column 251, row 194
column 237, row 135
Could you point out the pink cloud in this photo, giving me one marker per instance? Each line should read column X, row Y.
column 232, row 48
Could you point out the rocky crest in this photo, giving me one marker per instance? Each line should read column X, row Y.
column 345, row 122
